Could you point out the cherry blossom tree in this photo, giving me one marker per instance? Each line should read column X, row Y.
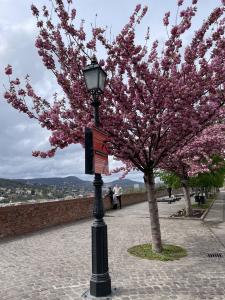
column 196, row 158
column 210, row 181
column 155, row 101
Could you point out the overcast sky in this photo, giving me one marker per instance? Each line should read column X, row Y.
column 20, row 135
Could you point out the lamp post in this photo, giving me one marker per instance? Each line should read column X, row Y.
column 100, row 283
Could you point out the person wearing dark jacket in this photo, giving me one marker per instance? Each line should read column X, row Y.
column 110, row 194
column 169, row 190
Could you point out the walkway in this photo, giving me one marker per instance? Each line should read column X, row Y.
column 55, row 264
column 216, row 218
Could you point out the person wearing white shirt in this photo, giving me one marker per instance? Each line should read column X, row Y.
column 118, row 193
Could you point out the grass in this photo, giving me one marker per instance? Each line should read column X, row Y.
column 170, row 252
column 203, row 206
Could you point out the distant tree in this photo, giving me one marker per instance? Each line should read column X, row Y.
column 213, row 179
column 203, row 154
column 170, row 179
column 155, row 101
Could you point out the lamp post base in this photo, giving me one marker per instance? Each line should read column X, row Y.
column 100, row 283
column 87, row 296
column 100, row 288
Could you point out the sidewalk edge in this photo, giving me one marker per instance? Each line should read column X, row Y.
column 207, row 210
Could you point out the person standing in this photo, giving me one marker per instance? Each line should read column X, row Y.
column 169, row 190
column 119, row 196
column 110, row 194
column 118, row 193
column 115, row 201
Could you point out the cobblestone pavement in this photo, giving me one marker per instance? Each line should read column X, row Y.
column 55, row 264
column 215, row 219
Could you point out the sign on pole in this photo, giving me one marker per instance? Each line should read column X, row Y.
column 89, row 168
column 96, row 154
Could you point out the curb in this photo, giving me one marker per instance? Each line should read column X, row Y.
column 208, row 226
column 207, row 210
column 182, row 218
column 214, row 235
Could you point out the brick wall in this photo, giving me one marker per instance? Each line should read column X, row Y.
column 24, row 218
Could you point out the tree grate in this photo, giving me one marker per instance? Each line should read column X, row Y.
column 215, row 255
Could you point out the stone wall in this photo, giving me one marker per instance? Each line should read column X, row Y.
column 24, row 218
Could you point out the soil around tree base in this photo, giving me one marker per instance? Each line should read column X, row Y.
column 196, row 213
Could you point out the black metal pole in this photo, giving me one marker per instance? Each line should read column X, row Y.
column 100, row 283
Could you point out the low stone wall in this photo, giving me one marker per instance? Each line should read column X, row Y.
column 25, row 218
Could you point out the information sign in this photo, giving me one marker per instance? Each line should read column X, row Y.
column 96, row 154
column 101, row 165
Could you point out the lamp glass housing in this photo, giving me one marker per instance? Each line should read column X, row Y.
column 94, row 78
column 101, row 80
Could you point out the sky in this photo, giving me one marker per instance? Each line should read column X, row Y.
column 19, row 136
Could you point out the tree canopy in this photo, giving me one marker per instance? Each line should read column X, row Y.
column 154, row 104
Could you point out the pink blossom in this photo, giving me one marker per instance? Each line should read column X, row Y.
column 174, row 30
column 91, row 44
column 46, row 13
column 73, row 13
column 180, row 2
column 138, row 7
column 7, row 95
column 51, row 153
column 35, row 11
column 16, row 81
column 36, row 153
column 166, row 19
column 8, row 70
column 21, row 92
column 43, row 154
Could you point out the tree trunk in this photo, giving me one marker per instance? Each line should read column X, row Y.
column 187, row 198
column 153, row 211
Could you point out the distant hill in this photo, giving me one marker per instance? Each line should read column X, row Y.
column 124, row 183
column 75, row 182
column 55, row 181
column 8, row 183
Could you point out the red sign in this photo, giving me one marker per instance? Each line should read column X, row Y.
column 99, row 139
column 101, row 165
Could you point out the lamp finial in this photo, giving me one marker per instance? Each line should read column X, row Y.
column 94, row 60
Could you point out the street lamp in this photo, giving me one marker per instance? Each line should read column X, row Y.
column 100, row 283
column 94, row 77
